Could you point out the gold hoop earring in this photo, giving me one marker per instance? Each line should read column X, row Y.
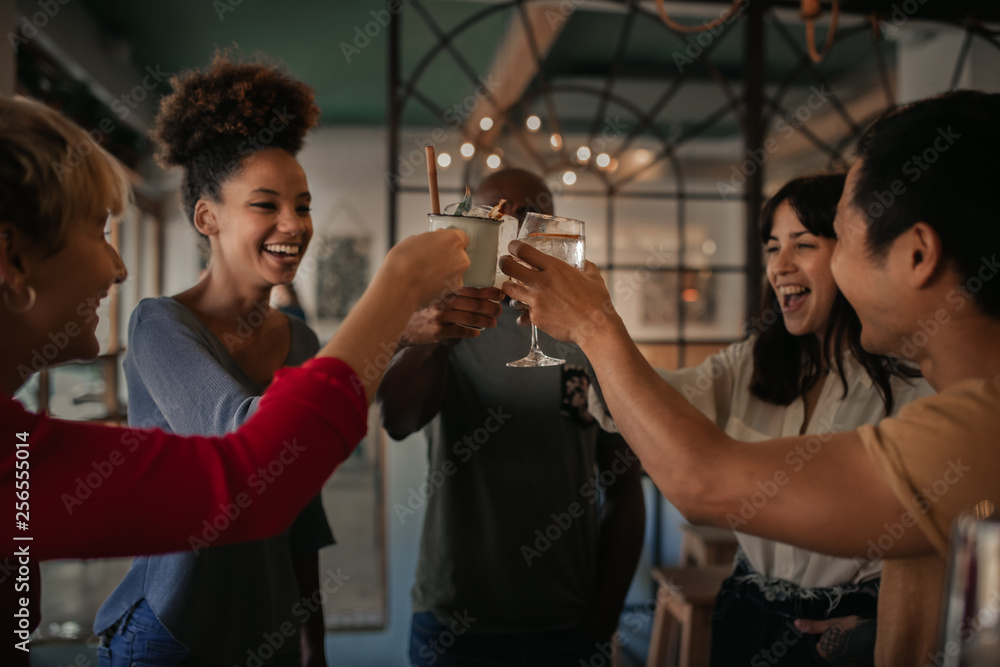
column 20, row 309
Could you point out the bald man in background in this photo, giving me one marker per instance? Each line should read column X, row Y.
column 535, row 516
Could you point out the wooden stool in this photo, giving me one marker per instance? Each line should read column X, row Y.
column 682, row 626
column 702, row 546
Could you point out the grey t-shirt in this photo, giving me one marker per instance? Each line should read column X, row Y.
column 222, row 601
column 510, row 534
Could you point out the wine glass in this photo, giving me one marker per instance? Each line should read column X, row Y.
column 561, row 238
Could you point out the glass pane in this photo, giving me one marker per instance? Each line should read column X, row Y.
column 714, row 234
column 645, row 232
column 716, row 309
column 593, row 212
column 641, row 170
column 650, row 303
column 629, row 293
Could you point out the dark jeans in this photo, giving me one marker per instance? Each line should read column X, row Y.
column 754, row 627
column 140, row 640
column 433, row 644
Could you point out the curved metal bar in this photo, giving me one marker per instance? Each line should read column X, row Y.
column 645, row 121
column 803, row 130
column 445, row 42
column 676, row 83
column 446, row 38
column 712, row 119
column 735, row 100
column 841, row 109
column 616, row 65
column 803, row 64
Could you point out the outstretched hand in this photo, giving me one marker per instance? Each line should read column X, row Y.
column 452, row 316
column 431, row 264
column 565, row 302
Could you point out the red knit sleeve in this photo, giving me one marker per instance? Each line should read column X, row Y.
column 98, row 491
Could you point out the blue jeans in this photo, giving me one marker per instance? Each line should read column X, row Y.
column 433, row 644
column 140, row 640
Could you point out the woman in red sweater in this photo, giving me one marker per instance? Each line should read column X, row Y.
column 68, row 488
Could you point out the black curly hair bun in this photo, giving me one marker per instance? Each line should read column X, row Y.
column 241, row 104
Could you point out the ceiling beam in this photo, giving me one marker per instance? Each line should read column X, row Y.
column 513, row 64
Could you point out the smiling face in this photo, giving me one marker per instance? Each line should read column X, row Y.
column 865, row 281
column 798, row 268
column 70, row 285
column 262, row 225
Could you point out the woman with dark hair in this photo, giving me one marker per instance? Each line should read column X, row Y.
column 199, row 361
column 788, row 364
column 801, row 371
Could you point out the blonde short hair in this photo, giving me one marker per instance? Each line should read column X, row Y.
column 52, row 173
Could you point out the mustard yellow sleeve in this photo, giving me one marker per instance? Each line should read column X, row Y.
column 940, row 455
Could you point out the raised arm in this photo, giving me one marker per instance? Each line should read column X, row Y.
column 413, row 389
column 247, row 485
column 818, row 492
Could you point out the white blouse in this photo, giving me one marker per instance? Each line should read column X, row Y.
column 720, row 389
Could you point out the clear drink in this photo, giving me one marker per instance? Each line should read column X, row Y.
column 567, row 247
column 562, row 238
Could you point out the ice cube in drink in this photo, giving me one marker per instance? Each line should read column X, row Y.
column 567, row 247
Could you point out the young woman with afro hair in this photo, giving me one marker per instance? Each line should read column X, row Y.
column 195, row 366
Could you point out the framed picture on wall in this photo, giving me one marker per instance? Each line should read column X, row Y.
column 668, row 291
column 342, row 267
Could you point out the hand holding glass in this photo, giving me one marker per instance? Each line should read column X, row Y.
column 486, row 238
column 562, row 238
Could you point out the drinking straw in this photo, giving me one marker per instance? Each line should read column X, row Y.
column 432, row 178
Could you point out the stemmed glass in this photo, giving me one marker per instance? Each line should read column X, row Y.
column 561, row 238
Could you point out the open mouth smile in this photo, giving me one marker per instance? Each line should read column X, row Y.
column 284, row 252
column 792, row 296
